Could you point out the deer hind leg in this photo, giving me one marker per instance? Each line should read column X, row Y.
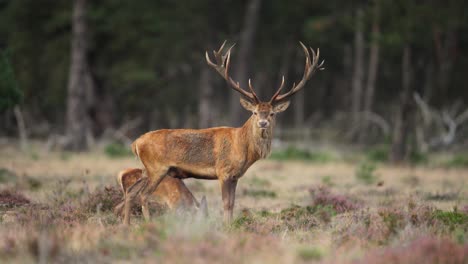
column 228, row 191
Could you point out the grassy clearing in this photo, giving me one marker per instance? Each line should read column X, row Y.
column 58, row 207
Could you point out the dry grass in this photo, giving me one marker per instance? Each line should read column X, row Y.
column 57, row 207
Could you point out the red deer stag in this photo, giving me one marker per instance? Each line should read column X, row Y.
column 222, row 153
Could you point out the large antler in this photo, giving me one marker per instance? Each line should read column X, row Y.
column 222, row 67
column 311, row 65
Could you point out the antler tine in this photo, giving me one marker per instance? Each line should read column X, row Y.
column 311, row 65
column 319, row 66
column 253, row 92
column 227, row 62
column 222, row 67
column 218, row 54
column 278, row 91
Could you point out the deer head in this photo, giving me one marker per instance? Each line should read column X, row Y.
column 263, row 113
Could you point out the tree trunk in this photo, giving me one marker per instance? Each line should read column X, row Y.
column 79, row 83
column 23, row 136
column 372, row 71
column 205, row 104
column 246, row 42
column 358, row 67
column 399, row 149
column 446, row 50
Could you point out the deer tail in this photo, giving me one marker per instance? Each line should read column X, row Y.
column 135, row 149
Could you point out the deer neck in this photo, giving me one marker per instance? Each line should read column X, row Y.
column 258, row 140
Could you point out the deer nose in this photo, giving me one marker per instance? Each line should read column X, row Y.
column 263, row 123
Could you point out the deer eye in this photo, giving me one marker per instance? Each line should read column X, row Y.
column 255, row 113
column 272, row 114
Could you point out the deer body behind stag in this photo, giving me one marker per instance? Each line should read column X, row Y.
column 221, row 153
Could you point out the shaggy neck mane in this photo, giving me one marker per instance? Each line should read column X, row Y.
column 259, row 140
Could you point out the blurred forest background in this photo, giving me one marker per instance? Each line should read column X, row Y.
column 76, row 72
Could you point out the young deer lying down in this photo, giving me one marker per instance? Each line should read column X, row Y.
column 172, row 191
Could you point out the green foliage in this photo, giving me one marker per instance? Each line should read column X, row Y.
column 10, row 94
column 293, row 153
column 242, row 221
column 33, row 183
column 117, row 150
column 393, row 219
column 259, row 182
column 310, row 254
column 305, row 214
column 458, row 160
column 365, row 173
column 416, row 157
column 378, row 154
column 327, row 180
column 381, row 154
column 452, row 219
column 259, row 193
column 7, row 176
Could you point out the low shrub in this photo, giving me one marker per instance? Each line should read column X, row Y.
column 323, row 197
column 394, row 219
column 117, row 150
column 293, row 153
column 327, row 180
column 416, row 157
column 378, row 154
column 365, row 173
column 429, row 250
column 381, row 226
column 452, row 219
column 447, row 196
column 464, row 209
column 458, row 160
column 10, row 199
column 7, row 176
column 102, row 200
column 310, row 254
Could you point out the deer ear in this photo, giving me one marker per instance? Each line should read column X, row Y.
column 247, row 105
column 280, row 107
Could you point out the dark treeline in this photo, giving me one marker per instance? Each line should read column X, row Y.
column 395, row 70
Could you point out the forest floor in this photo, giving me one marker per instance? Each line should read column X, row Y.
column 57, row 207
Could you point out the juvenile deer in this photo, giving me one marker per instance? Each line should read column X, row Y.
column 172, row 191
column 222, row 153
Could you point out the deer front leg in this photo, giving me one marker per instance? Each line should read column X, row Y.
column 228, row 191
column 155, row 176
column 130, row 196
